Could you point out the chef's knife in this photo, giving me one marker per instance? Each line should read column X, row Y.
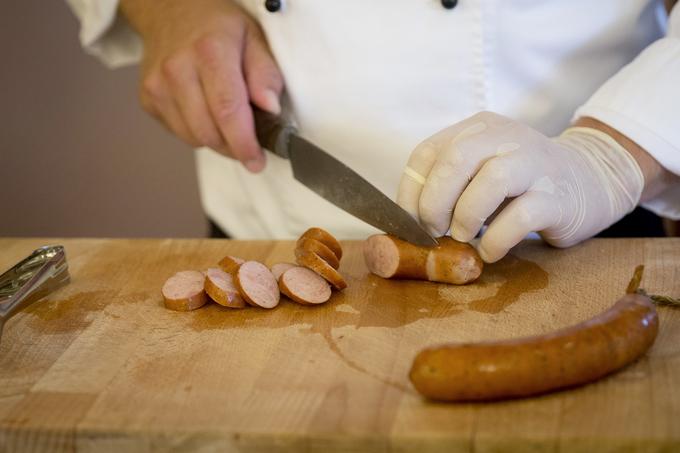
column 336, row 182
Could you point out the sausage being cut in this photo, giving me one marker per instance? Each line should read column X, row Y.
column 219, row 285
column 184, row 291
column 230, row 264
column 304, row 286
column 532, row 365
column 319, row 251
column 314, row 262
column 322, row 250
column 449, row 262
column 257, row 285
column 325, row 238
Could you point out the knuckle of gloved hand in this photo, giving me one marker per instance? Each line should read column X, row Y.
column 525, row 217
column 432, row 215
column 470, row 146
column 483, row 114
column 495, row 172
column 456, row 156
column 424, row 151
column 466, row 214
column 488, row 117
column 499, row 125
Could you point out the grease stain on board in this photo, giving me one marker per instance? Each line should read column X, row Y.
column 66, row 315
column 511, row 278
column 370, row 301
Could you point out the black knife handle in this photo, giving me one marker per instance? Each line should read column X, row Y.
column 272, row 132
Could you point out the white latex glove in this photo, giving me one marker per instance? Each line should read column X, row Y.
column 567, row 188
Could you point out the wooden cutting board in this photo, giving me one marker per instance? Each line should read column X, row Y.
column 100, row 365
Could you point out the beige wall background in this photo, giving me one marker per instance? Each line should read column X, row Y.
column 78, row 156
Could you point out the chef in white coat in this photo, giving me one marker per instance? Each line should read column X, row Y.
column 585, row 95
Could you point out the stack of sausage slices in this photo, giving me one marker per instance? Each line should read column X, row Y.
column 237, row 282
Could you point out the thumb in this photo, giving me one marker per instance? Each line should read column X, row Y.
column 262, row 74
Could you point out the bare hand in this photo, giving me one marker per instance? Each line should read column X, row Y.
column 204, row 62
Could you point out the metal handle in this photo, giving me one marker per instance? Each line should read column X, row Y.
column 31, row 279
column 273, row 132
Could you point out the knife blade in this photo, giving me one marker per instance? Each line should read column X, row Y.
column 336, row 182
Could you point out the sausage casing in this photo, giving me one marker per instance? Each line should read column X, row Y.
column 532, row 365
column 449, row 262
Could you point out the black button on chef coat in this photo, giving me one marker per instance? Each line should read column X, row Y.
column 275, row 5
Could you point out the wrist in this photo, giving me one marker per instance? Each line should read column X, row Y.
column 656, row 178
column 615, row 171
column 140, row 14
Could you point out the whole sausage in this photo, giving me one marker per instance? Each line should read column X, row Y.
column 184, row 291
column 220, row 287
column 257, row 285
column 325, row 238
column 532, row 365
column 304, row 286
column 449, row 262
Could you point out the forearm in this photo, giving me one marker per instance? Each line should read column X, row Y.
column 149, row 16
column 637, row 107
column 657, row 178
column 138, row 12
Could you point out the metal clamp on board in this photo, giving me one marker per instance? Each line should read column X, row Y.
column 31, row 279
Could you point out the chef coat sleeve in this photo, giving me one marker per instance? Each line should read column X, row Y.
column 105, row 33
column 642, row 101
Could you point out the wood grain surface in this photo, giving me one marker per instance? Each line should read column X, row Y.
column 101, row 366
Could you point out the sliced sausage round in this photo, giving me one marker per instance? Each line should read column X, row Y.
column 184, row 291
column 219, row 285
column 318, row 247
column 325, row 238
column 279, row 268
column 304, row 286
column 257, row 285
column 230, row 264
column 315, row 263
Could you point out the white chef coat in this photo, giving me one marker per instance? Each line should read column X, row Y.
column 368, row 80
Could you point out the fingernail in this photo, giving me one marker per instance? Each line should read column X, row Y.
column 433, row 231
column 483, row 254
column 254, row 165
column 272, row 104
column 486, row 256
column 459, row 233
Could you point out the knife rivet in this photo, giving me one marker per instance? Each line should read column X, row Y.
column 272, row 5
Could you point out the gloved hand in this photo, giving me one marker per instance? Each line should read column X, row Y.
column 567, row 188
